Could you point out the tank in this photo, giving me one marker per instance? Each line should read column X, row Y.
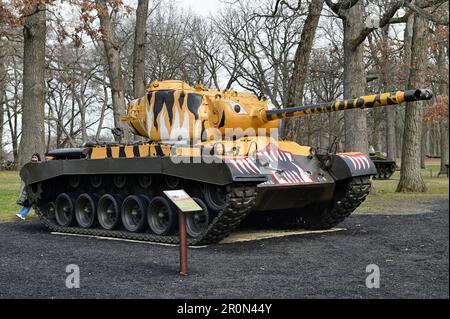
column 221, row 147
column 385, row 166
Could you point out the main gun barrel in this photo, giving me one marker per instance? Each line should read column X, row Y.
column 362, row 102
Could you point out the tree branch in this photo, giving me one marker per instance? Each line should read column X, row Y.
column 426, row 14
column 403, row 19
column 383, row 22
column 341, row 5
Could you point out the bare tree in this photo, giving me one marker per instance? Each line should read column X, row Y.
column 410, row 176
column 301, row 61
column 139, row 82
column 112, row 50
column 13, row 106
column 207, row 47
column 2, row 100
column 34, row 32
column 352, row 14
column 260, row 45
column 439, row 111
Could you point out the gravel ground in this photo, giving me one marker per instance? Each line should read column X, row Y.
column 410, row 250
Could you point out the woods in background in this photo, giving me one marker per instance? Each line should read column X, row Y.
column 68, row 68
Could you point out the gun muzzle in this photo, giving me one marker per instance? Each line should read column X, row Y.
column 418, row 95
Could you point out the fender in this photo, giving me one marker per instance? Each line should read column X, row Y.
column 214, row 173
column 346, row 165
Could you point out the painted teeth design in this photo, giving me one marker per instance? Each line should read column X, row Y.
column 291, row 173
column 359, row 161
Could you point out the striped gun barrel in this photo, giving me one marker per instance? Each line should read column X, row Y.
column 363, row 102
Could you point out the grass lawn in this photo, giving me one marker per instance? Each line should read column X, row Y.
column 9, row 192
column 383, row 198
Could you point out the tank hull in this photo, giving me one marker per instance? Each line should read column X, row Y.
column 281, row 180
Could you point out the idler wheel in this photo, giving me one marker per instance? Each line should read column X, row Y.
column 120, row 181
column 215, row 196
column 64, row 210
column 34, row 193
column 51, row 210
column 161, row 216
column 108, row 211
column 48, row 208
column 85, row 210
column 197, row 222
column 133, row 213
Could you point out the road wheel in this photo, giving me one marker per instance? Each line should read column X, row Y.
column 197, row 222
column 64, row 210
column 161, row 216
column 108, row 211
column 133, row 213
column 85, row 210
column 215, row 196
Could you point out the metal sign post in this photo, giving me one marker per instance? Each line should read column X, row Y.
column 183, row 242
column 185, row 204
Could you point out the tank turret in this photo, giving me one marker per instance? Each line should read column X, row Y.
column 174, row 111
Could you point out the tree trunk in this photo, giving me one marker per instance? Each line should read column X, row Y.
column 114, row 69
column 49, row 130
column 444, row 147
column 423, row 146
column 103, row 110
column 2, row 105
column 389, row 115
column 12, row 121
column 139, row 83
column 34, row 32
column 410, row 177
column 399, row 127
column 431, row 141
column 81, row 101
column 443, row 90
column 376, row 131
column 390, row 132
column 406, row 60
column 432, row 136
column 437, row 138
column 301, row 61
column 354, row 81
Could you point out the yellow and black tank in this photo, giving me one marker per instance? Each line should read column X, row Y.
column 219, row 146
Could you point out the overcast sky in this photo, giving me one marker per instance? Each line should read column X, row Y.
column 203, row 7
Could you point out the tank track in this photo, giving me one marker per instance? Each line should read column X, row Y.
column 384, row 171
column 349, row 195
column 356, row 192
column 240, row 199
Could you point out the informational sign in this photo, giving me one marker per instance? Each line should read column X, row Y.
column 182, row 200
